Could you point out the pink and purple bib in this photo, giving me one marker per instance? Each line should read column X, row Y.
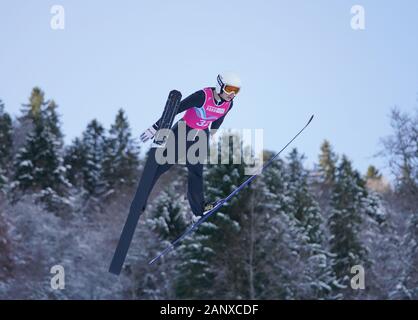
column 201, row 118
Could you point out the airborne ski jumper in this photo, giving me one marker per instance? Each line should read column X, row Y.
column 205, row 109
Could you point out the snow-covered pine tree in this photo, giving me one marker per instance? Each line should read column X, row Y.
column 345, row 223
column 318, row 274
column 30, row 112
column 52, row 122
column 269, row 239
column 411, row 242
column 120, row 164
column 39, row 163
column 170, row 214
column 323, row 177
column 303, row 206
column 75, row 162
column 93, row 140
column 379, row 236
column 35, row 107
column 6, row 143
column 327, row 163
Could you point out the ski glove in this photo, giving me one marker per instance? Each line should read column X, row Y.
column 149, row 133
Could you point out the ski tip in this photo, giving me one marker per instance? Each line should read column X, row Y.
column 310, row 119
column 175, row 93
column 155, row 259
column 115, row 271
column 151, row 262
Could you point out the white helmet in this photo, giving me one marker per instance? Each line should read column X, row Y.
column 227, row 79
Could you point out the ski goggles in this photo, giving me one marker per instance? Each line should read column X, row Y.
column 231, row 89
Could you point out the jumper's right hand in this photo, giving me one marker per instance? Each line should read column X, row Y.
column 148, row 134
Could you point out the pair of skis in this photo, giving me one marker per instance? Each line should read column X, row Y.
column 221, row 202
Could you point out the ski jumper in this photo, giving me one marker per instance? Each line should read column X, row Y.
column 202, row 111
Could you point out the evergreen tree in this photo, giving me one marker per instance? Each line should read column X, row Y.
column 36, row 106
column 304, row 208
column 170, row 215
column 411, row 241
column 53, row 122
column 373, row 173
column 272, row 243
column 327, row 162
column 75, row 162
column 39, row 163
column 345, row 221
column 94, row 145
column 6, row 143
column 319, row 276
column 120, row 164
column 25, row 121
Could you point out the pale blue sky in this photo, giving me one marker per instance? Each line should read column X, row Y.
column 295, row 57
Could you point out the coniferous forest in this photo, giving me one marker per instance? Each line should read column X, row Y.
column 294, row 233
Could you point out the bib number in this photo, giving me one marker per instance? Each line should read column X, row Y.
column 202, row 123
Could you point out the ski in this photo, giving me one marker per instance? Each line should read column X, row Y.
column 223, row 201
column 143, row 189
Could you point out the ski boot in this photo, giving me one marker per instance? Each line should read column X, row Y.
column 210, row 206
